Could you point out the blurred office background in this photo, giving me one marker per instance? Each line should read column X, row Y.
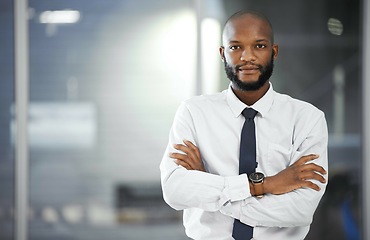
column 105, row 79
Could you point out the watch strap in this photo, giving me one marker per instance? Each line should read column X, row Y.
column 258, row 189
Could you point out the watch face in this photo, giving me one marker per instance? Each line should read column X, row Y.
column 256, row 177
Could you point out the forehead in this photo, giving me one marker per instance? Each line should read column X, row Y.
column 247, row 27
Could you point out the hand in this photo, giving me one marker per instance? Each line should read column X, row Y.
column 296, row 176
column 191, row 160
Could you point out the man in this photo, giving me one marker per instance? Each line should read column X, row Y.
column 202, row 169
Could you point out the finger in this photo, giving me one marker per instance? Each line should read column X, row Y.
column 306, row 159
column 313, row 176
column 188, row 157
column 184, row 159
column 184, row 164
column 310, row 157
column 178, row 156
column 313, row 167
column 188, row 151
column 193, row 147
column 311, row 185
column 183, row 148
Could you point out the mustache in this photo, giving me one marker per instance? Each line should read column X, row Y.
column 238, row 66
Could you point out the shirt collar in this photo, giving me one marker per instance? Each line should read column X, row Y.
column 263, row 105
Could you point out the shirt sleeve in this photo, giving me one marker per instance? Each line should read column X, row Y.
column 184, row 188
column 295, row 208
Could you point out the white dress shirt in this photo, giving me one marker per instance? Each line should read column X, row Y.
column 286, row 129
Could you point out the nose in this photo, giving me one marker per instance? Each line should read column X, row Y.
column 247, row 55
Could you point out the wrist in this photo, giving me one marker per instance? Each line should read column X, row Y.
column 251, row 188
column 267, row 185
column 257, row 181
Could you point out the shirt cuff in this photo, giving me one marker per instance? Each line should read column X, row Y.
column 238, row 187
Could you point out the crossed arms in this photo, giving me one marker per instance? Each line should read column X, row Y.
column 298, row 175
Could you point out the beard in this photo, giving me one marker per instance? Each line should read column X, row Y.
column 266, row 72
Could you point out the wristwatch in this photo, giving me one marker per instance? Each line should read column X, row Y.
column 257, row 179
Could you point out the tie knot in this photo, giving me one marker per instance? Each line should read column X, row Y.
column 249, row 113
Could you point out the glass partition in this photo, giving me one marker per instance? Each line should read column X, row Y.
column 7, row 169
column 104, row 86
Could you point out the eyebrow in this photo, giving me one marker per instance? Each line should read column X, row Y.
column 262, row 40
column 233, row 41
column 258, row 40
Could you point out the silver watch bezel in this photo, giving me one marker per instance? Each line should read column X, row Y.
column 256, row 177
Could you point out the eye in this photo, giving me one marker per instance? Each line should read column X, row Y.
column 260, row 46
column 234, row 47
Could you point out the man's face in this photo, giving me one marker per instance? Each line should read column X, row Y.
column 265, row 74
column 248, row 53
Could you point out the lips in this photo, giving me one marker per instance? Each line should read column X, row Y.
column 248, row 69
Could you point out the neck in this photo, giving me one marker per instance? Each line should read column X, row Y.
column 250, row 97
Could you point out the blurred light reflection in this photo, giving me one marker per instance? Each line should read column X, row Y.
column 211, row 32
column 62, row 16
column 335, row 26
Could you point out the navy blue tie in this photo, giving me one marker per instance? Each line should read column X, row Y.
column 247, row 164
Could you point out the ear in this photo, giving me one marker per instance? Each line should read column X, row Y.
column 222, row 50
column 275, row 50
